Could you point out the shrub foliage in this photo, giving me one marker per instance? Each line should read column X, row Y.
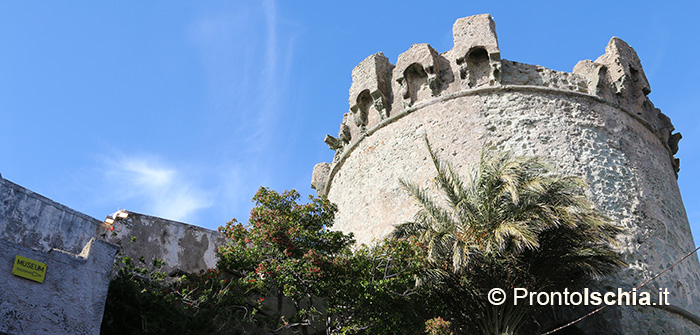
column 511, row 222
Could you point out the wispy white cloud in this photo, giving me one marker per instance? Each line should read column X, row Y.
column 156, row 188
column 247, row 59
column 270, row 12
column 269, row 85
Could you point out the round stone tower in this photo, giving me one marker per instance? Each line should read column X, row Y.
column 596, row 122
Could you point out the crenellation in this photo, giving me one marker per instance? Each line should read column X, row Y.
column 360, row 110
column 618, row 77
column 419, row 74
column 475, row 31
column 476, row 54
column 422, row 74
column 596, row 78
column 625, row 71
column 596, row 121
column 370, row 92
column 370, row 100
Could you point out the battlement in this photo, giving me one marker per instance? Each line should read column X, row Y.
column 596, row 122
column 381, row 92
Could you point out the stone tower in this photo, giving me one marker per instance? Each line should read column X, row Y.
column 596, row 122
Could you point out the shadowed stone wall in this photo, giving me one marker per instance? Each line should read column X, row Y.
column 71, row 298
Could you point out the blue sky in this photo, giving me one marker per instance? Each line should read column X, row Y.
column 183, row 109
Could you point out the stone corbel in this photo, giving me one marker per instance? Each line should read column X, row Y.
column 495, row 63
column 381, row 104
column 359, row 116
column 344, row 137
column 434, row 82
column 333, row 143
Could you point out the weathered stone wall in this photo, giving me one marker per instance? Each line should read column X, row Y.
column 515, row 73
column 596, row 122
column 183, row 247
column 32, row 220
column 79, row 252
column 37, row 222
column 70, row 300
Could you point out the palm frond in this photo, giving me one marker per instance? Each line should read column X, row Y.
column 509, row 221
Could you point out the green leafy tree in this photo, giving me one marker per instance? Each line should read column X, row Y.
column 289, row 250
column 511, row 222
column 283, row 272
column 374, row 290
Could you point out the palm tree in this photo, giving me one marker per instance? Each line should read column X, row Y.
column 511, row 222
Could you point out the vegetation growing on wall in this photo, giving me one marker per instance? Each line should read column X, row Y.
column 510, row 223
column 285, row 272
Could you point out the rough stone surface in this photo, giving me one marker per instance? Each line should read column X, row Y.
column 79, row 260
column 474, row 31
column 370, row 93
column 184, row 248
column 32, row 220
column 476, row 55
column 70, row 300
column 596, row 122
column 319, row 178
column 515, row 73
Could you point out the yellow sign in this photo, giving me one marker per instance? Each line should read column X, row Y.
column 30, row 269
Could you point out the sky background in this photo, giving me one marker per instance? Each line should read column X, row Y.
column 183, row 109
